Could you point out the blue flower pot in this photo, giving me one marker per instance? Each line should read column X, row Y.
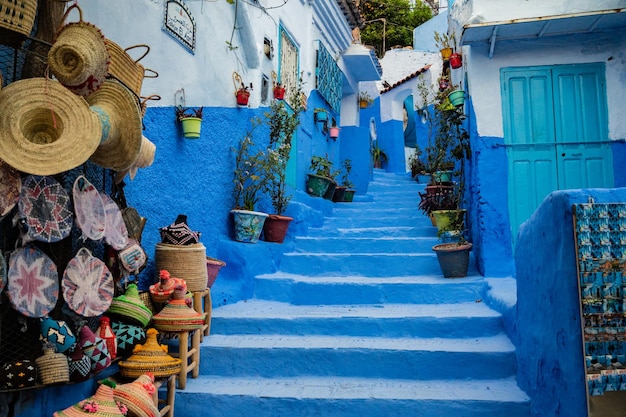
column 248, row 225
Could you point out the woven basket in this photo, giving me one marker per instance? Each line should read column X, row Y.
column 184, row 261
column 150, row 357
column 17, row 20
column 213, row 267
column 52, row 367
column 126, row 69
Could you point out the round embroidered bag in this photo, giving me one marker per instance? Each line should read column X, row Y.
column 45, row 207
column 33, row 282
column 89, row 209
column 87, row 284
column 115, row 233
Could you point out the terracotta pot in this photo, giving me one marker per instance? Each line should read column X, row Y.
column 275, row 228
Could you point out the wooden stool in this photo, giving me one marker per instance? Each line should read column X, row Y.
column 202, row 304
column 189, row 356
column 168, row 408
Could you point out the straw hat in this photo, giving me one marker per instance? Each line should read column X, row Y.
column 79, row 58
column 144, row 159
column 121, row 136
column 177, row 316
column 137, row 396
column 101, row 404
column 130, row 307
column 150, row 357
column 44, row 128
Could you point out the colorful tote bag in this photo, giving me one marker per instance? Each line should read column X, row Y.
column 33, row 282
column 44, row 206
column 89, row 209
column 115, row 234
column 87, row 284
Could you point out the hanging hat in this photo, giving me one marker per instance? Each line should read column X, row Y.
column 89, row 209
column 120, row 116
column 33, row 282
column 52, row 366
column 87, row 284
column 10, row 186
column 179, row 233
column 164, row 289
column 95, row 348
column 137, row 396
column 144, row 159
column 150, row 357
column 101, row 404
column 79, row 58
column 129, row 306
column 128, row 336
column 44, row 128
column 177, row 316
column 115, row 232
column 45, row 207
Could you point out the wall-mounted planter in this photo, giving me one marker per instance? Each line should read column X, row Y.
column 242, row 97
column 279, row 92
column 321, row 116
column 191, row 127
column 334, row 132
column 456, row 61
column 457, row 98
column 445, row 53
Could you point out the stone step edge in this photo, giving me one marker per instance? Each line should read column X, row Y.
column 497, row 390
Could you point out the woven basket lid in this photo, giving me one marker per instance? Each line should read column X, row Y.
column 87, row 284
column 179, row 232
column 101, row 404
column 45, row 206
column 10, row 186
column 89, row 209
column 130, row 306
column 44, row 128
column 79, row 58
column 150, row 357
column 95, row 348
column 115, row 233
column 121, row 133
column 137, row 396
column 33, row 282
column 52, row 367
column 177, row 316
column 164, row 289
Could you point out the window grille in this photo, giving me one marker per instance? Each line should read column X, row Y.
column 289, row 65
column 329, row 78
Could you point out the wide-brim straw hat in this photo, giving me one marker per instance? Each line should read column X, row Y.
column 137, row 396
column 145, row 158
column 150, row 357
column 101, row 404
column 79, row 58
column 44, row 128
column 121, row 134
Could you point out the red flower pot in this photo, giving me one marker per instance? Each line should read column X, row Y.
column 242, row 97
column 279, row 93
column 456, row 61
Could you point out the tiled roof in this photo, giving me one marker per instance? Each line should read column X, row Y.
column 389, row 87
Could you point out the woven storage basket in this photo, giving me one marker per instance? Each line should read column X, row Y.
column 126, row 69
column 184, row 261
column 213, row 267
column 150, row 357
column 17, row 20
column 52, row 367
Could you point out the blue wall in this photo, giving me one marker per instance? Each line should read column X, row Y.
column 548, row 335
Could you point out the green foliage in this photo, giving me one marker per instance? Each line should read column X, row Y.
column 248, row 175
column 321, row 165
column 401, row 19
column 416, row 164
column 378, row 155
column 184, row 112
column 345, row 179
column 443, row 40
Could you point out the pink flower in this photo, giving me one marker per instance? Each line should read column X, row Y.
column 90, row 407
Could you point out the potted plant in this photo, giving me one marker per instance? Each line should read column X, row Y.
column 248, row 182
column 365, row 100
column 418, row 167
column 445, row 43
column 333, row 132
column 456, row 61
column 243, row 94
column 453, row 258
column 191, row 120
column 345, row 191
column 319, row 178
column 378, row 156
column 282, row 126
column 279, row 91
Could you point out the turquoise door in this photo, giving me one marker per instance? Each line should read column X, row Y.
column 555, row 131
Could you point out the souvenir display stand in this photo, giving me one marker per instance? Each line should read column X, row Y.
column 164, row 398
column 202, row 304
column 600, row 239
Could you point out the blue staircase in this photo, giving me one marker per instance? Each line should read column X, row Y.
column 359, row 322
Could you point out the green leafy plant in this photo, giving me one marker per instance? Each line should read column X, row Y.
column 416, row 165
column 379, row 156
column 248, row 176
column 443, row 40
column 345, row 179
column 185, row 112
column 321, row 165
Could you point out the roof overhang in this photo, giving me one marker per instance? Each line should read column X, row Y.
column 362, row 64
column 538, row 27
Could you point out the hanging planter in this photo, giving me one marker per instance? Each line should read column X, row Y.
column 334, row 132
column 457, row 97
column 190, row 120
column 279, row 92
column 242, row 91
column 456, row 61
column 445, row 53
